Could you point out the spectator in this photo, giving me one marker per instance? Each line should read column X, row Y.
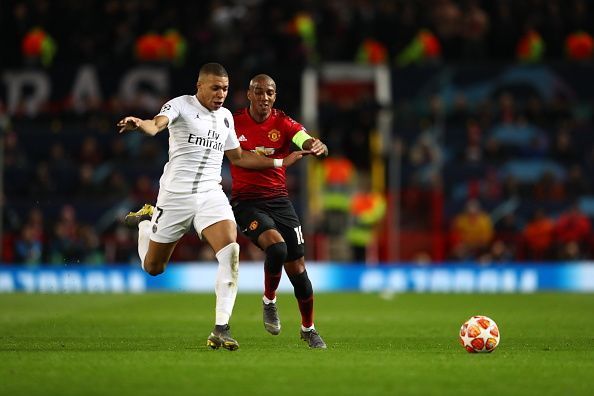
column 564, row 151
column 58, row 159
column 116, row 186
column 338, row 182
column 118, row 151
column 577, row 183
column 549, row 188
column 572, row 231
column 66, row 246
column 499, row 252
column 91, row 246
column 368, row 208
column 144, row 190
column 473, row 150
column 90, row 152
column 475, row 26
column 120, row 246
column 43, row 184
column 538, row 237
column 29, row 247
column 86, row 188
column 472, row 231
column 14, row 155
column 507, row 228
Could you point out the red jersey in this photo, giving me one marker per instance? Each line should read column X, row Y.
column 271, row 138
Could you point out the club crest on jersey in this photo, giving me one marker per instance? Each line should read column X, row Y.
column 274, row 135
column 226, row 121
column 165, row 107
column 253, row 225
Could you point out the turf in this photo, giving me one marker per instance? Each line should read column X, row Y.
column 154, row 344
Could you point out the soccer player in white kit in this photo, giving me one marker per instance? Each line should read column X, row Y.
column 201, row 130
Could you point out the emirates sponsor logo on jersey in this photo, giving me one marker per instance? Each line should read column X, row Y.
column 274, row 135
column 206, row 141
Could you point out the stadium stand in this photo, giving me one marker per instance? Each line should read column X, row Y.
column 475, row 122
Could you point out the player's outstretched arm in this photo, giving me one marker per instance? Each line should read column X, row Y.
column 150, row 127
column 247, row 159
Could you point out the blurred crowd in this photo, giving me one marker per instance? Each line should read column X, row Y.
column 504, row 178
column 270, row 33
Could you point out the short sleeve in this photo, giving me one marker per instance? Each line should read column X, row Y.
column 232, row 142
column 292, row 126
column 170, row 110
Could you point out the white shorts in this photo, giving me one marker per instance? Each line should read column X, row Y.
column 175, row 213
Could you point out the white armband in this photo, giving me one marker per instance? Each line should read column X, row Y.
column 278, row 162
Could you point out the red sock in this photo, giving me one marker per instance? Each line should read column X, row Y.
column 271, row 282
column 306, row 309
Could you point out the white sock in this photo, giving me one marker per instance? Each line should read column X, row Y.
column 308, row 328
column 144, row 232
column 226, row 284
column 267, row 301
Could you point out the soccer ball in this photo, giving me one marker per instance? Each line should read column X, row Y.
column 479, row 334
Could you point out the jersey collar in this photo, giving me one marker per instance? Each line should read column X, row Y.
column 201, row 106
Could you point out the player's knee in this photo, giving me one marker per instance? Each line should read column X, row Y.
column 301, row 285
column 276, row 254
column 153, row 268
column 295, row 267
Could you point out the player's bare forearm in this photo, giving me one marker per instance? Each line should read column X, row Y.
column 150, row 127
column 249, row 160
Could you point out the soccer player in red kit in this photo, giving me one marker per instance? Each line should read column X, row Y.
column 261, row 204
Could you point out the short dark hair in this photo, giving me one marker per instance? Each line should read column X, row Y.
column 212, row 68
column 262, row 78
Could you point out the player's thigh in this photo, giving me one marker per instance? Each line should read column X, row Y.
column 253, row 221
column 269, row 237
column 220, row 234
column 288, row 225
column 172, row 217
column 214, row 219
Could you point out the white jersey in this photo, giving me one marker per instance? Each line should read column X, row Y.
column 198, row 139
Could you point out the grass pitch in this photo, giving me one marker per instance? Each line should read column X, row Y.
column 155, row 344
